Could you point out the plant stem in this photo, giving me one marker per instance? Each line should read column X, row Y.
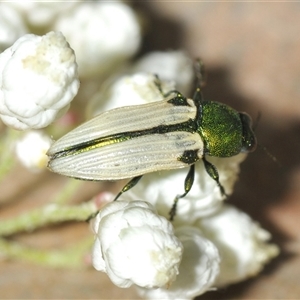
column 50, row 214
column 71, row 257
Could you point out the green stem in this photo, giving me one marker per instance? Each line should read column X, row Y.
column 64, row 195
column 49, row 214
column 7, row 153
column 70, row 257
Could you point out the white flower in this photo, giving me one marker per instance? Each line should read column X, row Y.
column 242, row 243
column 31, row 150
column 38, row 80
column 198, row 269
column 135, row 245
column 11, row 26
column 103, row 34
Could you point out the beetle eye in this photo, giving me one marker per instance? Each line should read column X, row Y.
column 249, row 139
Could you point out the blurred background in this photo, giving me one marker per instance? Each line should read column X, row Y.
column 252, row 55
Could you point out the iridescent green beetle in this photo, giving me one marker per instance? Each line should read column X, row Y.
column 176, row 132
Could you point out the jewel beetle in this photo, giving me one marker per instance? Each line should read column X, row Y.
column 176, row 132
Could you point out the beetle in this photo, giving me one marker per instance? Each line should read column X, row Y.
column 173, row 133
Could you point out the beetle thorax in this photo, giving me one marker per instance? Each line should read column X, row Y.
column 221, row 129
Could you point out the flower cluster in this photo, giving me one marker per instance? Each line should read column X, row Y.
column 209, row 244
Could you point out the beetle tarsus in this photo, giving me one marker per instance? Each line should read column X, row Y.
column 172, row 211
column 128, row 186
column 214, row 174
column 92, row 216
column 188, row 183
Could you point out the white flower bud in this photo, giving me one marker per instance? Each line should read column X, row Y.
column 242, row 243
column 135, row 245
column 171, row 66
column 198, row 269
column 31, row 150
column 11, row 26
column 38, row 80
column 110, row 34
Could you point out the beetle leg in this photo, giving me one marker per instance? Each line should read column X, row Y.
column 128, row 186
column 157, row 82
column 188, row 183
column 214, row 174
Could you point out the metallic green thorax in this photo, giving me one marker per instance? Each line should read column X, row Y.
column 221, row 129
column 224, row 131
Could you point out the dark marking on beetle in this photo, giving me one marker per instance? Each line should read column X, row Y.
column 189, row 157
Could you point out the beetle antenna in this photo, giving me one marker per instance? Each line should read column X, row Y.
column 257, row 120
column 157, row 82
column 201, row 80
column 264, row 148
column 200, row 73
